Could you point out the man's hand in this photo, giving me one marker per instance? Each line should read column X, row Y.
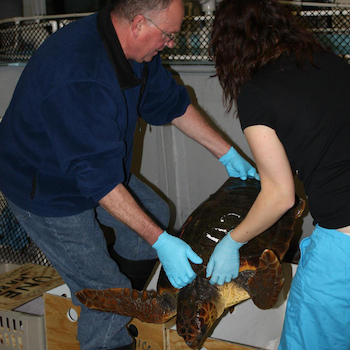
column 237, row 166
column 174, row 254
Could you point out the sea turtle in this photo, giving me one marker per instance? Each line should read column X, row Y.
column 200, row 304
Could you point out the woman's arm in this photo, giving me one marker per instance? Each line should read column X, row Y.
column 277, row 195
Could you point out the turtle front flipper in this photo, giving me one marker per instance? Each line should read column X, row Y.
column 146, row 306
column 266, row 284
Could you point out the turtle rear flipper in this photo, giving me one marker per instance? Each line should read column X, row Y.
column 265, row 286
column 146, row 306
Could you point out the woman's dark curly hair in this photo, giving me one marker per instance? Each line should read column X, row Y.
column 247, row 34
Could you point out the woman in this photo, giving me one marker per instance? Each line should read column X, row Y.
column 293, row 102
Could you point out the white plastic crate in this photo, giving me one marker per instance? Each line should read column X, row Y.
column 21, row 331
column 22, row 320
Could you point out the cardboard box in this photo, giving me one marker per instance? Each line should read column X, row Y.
column 61, row 325
column 164, row 337
column 21, row 305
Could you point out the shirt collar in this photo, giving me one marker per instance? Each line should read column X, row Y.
column 125, row 75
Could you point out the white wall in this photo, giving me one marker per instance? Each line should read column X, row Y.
column 34, row 8
column 9, row 76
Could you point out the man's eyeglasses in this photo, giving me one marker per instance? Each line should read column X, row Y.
column 168, row 37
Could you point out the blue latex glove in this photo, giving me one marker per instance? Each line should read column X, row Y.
column 223, row 265
column 174, row 254
column 237, row 166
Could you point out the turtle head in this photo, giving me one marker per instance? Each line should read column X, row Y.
column 199, row 305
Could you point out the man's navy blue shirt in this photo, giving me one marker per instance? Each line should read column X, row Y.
column 67, row 136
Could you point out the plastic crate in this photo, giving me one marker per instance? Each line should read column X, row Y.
column 22, row 320
column 21, row 331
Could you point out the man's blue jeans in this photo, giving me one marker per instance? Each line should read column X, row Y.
column 76, row 247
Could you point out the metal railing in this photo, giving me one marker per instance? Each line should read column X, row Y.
column 20, row 37
column 330, row 23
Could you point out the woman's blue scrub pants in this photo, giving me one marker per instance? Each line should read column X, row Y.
column 318, row 308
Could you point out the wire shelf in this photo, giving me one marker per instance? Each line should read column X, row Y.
column 20, row 37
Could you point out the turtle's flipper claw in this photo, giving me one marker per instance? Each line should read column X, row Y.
column 265, row 286
column 146, row 306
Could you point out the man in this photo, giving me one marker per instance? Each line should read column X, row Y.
column 67, row 146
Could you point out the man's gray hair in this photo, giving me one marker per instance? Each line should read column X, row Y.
column 131, row 8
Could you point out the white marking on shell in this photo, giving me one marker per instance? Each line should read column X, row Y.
column 222, row 219
column 220, row 229
column 214, row 239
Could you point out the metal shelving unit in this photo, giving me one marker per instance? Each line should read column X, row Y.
column 20, row 37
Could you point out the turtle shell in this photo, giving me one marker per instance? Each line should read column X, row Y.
column 260, row 277
column 222, row 212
